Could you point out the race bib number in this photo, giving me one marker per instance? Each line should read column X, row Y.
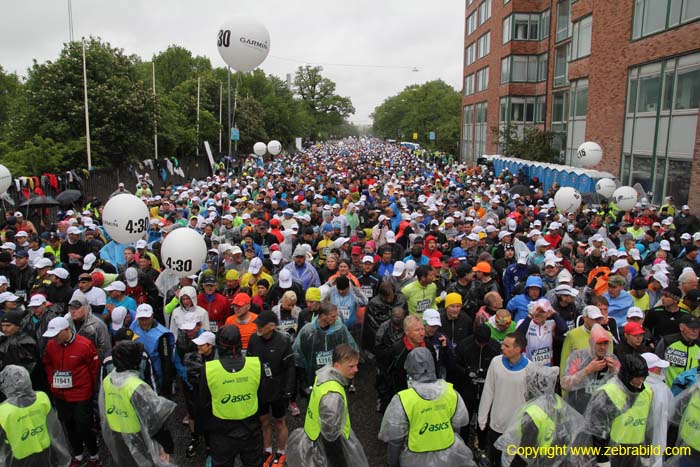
column 22, row 294
column 324, row 358
column 423, row 305
column 368, row 291
column 543, row 356
column 266, row 250
column 344, row 311
column 62, row 379
column 676, row 357
column 325, row 252
column 268, row 370
column 213, row 326
column 74, row 261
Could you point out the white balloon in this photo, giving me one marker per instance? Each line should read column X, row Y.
column 243, row 43
column 274, row 147
column 259, row 149
column 625, row 197
column 5, row 179
column 589, row 154
column 605, row 187
column 567, row 199
column 183, row 252
column 125, row 218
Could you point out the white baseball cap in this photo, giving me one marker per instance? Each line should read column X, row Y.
column 144, row 310
column 141, row 244
column 399, row 268
column 205, row 338
column 619, row 264
column 285, row 279
column 116, row 285
column 661, row 278
column 665, row 245
column 566, row 290
column 635, row 312
column 55, row 326
column 368, row 259
column 634, row 253
column 653, row 361
column 592, row 312
column 390, row 237
column 431, row 317
column 190, row 322
column 541, row 242
column 117, row 317
column 255, row 266
column 522, row 257
column 60, row 273
column 131, row 275
column 88, row 261
column 73, row 231
column 41, row 263
column 276, row 257
column 36, row 300
column 8, row 246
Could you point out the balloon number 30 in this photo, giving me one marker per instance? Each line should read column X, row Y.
column 178, row 265
column 138, row 226
column 224, row 38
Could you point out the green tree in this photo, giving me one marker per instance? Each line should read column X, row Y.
column 433, row 106
column 121, row 108
column 534, row 145
column 327, row 109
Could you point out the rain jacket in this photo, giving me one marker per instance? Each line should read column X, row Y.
column 331, row 444
column 178, row 314
column 17, row 387
column 139, row 448
column 578, row 385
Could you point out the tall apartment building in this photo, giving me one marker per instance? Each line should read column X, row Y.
column 623, row 73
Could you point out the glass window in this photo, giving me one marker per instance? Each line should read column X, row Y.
column 563, row 20
column 542, row 67
column 503, row 109
column 506, row 29
column 560, row 66
column 581, row 45
column 469, row 85
column 484, row 11
column 540, row 109
column 505, row 70
column 544, row 24
column 470, row 54
column 521, row 23
column 688, row 88
column 482, row 79
column 649, row 88
column 652, row 16
column 669, row 84
column 678, row 172
column 579, row 98
column 519, row 71
column 559, row 101
column 471, row 23
column 484, row 45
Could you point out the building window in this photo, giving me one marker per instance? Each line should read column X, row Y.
column 652, row 16
column 469, row 85
column 470, row 54
column 480, row 128
column 563, row 20
column 526, row 27
column 524, row 68
column 483, row 45
column 561, row 69
column 484, row 11
column 660, row 126
column 521, row 110
column 471, row 24
column 560, row 101
column 468, row 133
column 581, row 44
column 576, row 128
column 482, row 79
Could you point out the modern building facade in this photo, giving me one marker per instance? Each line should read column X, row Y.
column 622, row 73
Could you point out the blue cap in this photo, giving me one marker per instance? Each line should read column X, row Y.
column 533, row 281
column 328, row 228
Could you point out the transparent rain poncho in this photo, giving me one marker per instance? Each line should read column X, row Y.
column 137, row 448
column 395, row 425
column 17, row 387
column 685, row 417
column 546, row 448
column 302, row 452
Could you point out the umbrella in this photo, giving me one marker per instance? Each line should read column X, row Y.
column 592, row 198
column 40, row 202
column 522, row 190
column 68, row 197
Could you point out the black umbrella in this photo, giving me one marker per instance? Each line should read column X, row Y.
column 68, row 197
column 39, row 202
column 522, row 190
column 592, row 198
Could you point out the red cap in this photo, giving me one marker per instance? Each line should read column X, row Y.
column 356, row 250
column 274, row 222
column 435, row 262
column 241, row 299
column 633, row 329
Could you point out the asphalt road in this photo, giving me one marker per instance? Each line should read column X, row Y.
column 363, row 417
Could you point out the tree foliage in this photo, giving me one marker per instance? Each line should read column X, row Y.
column 432, row 106
column 535, row 144
column 42, row 119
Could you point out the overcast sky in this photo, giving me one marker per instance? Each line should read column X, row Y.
column 405, row 33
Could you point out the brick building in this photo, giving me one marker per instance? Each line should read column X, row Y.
column 623, row 73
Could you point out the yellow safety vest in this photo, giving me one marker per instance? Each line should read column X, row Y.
column 25, row 427
column 121, row 415
column 430, row 421
column 312, row 426
column 629, row 427
column 234, row 395
column 690, row 424
column 545, row 425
